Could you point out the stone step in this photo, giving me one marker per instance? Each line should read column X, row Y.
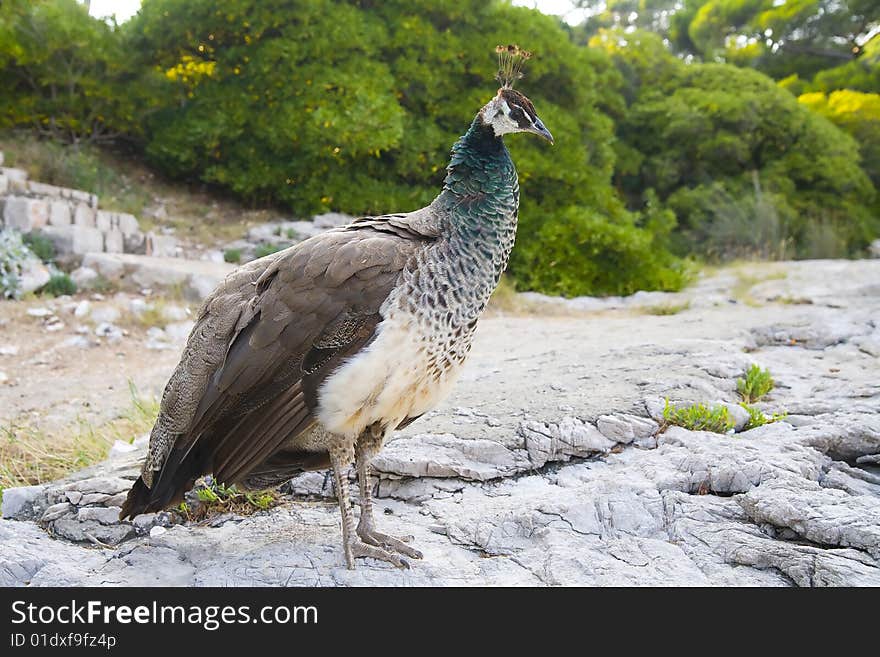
column 196, row 278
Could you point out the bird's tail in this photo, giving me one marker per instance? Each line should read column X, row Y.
column 137, row 501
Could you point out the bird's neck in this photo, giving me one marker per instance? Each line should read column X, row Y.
column 479, row 201
column 481, row 192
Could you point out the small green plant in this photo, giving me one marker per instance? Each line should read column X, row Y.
column 755, row 385
column 266, row 249
column 59, row 285
column 218, row 498
column 290, row 233
column 699, row 417
column 232, row 255
column 758, row 419
column 41, row 246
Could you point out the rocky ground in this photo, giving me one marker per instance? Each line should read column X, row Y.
column 550, row 464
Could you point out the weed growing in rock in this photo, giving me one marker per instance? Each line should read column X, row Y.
column 755, row 385
column 699, row 417
column 758, row 419
column 215, row 498
column 232, row 255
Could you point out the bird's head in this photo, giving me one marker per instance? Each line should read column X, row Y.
column 510, row 111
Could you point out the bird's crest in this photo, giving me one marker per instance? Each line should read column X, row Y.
column 510, row 62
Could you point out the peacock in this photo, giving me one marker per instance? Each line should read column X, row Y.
column 309, row 358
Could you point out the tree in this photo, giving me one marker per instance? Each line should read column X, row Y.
column 746, row 169
column 63, row 73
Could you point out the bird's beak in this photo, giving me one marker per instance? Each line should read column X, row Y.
column 541, row 131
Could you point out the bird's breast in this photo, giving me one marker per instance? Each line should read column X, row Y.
column 405, row 371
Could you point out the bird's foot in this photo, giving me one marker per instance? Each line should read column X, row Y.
column 359, row 548
column 372, row 537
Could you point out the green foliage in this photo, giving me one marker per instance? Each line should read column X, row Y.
column 13, row 254
column 218, row 498
column 746, row 169
column 756, row 384
column 758, row 419
column 80, row 166
column 266, row 249
column 699, row 417
column 41, row 246
column 579, row 252
column 64, row 74
column 59, row 285
column 232, row 255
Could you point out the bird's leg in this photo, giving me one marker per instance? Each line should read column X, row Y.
column 367, row 446
column 352, row 545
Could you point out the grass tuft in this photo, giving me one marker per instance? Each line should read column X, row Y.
column 699, row 417
column 756, row 384
column 31, row 456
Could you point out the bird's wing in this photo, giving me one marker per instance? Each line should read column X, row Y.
column 234, row 401
column 425, row 223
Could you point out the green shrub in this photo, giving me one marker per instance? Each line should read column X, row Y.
column 59, row 285
column 41, row 246
column 13, row 253
column 699, row 417
column 232, row 255
column 755, row 385
column 579, row 252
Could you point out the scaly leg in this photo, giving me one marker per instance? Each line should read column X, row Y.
column 352, row 545
column 367, row 446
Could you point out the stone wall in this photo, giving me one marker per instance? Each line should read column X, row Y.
column 72, row 219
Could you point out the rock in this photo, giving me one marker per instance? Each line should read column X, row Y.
column 39, row 312
column 55, row 511
column 114, row 241
column 25, row 214
column 76, row 240
column 83, row 308
column 84, row 277
column 196, row 277
column 138, row 306
column 155, row 532
column 445, row 455
column 874, row 249
column 548, row 441
column 33, row 275
column 625, row 428
column 59, row 213
column 105, row 314
column 18, row 502
column 106, row 515
column 162, row 246
column 110, row 331
column 9, row 350
column 16, row 179
column 4, row 378
column 84, row 215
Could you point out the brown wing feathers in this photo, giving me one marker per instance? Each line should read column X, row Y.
column 310, row 308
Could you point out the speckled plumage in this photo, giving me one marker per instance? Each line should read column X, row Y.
column 313, row 355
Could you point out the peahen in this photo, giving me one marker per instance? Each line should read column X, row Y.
column 310, row 357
